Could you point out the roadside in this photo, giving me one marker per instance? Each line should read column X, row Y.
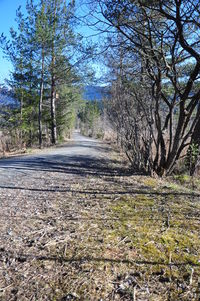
column 32, row 150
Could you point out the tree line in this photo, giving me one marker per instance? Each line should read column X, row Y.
column 45, row 53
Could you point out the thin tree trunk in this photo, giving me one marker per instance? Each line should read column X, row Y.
column 195, row 140
column 41, row 101
column 53, row 112
column 30, row 102
column 53, row 84
column 21, row 118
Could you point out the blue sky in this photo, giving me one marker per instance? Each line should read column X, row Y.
column 7, row 19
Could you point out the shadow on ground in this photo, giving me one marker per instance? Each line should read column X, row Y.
column 77, row 165
column 83, row 166
column 24, row 257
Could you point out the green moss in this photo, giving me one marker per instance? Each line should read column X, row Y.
column 151, row 251
column 142, row 222
column 183, row 179
column 150, row 182
column 130, row 203
column 174, row 186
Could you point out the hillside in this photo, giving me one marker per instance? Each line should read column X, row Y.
column 6, row 97
column 92, row 93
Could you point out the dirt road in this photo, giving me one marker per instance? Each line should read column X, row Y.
column 82, row 156
column 47, row 202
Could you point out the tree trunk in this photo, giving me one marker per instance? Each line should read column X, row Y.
column 53, row 112
column 53, row 83
column 195, row 141
column 40, row 101
column 21, row 118
column 196, row 134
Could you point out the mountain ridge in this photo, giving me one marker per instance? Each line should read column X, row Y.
column 95, row 93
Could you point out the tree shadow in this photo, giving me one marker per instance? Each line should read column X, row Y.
column 82, row 165
column 105, row 193
column 61, row 259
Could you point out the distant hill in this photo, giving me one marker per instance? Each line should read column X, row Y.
column 92, row 93
column 6, row 97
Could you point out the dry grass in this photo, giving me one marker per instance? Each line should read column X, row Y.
column 100, row 237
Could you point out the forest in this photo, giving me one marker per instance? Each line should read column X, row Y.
column 151, row 53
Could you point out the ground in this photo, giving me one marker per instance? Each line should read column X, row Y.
column 77, row 225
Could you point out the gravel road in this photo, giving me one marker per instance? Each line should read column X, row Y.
column 81, row 156
column 48, row 200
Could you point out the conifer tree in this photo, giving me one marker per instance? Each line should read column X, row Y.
column 43, row 52
column 61, row 40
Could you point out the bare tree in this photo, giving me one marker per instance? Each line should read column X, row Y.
column 165, row 35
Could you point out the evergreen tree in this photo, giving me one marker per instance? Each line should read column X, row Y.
column 62, row 39
column 20, row 51
column 41, row 51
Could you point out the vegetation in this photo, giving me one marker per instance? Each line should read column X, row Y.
column 107, row 237
column 154, row 66
column 91, row 120
column 44, row 81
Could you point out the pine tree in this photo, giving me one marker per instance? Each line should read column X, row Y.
column 41, row 52
column 20, row 52
column 61, row 40
column 42, row 41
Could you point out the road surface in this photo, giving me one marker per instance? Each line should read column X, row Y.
column 82, row 156
column 47, row 200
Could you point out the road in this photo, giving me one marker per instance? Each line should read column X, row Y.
column 82, row 156
column 48, row 202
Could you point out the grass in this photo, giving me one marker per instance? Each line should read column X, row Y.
column 157, row 230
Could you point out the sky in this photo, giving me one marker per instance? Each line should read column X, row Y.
column 7, row 20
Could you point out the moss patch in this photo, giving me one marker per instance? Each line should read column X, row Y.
column 156, row 230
